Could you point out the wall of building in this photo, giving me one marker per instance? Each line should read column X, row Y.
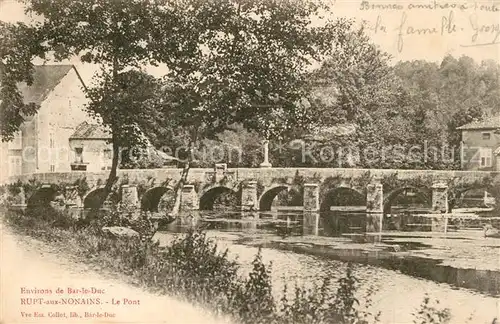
column 92, row 154
column 59, row 115
column 472, row 142
column 4, row 162
column 29, row 129
column 12, row 156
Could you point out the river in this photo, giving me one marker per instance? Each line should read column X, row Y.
column 396, row 295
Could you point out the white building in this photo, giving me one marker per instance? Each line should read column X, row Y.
column 43, row 141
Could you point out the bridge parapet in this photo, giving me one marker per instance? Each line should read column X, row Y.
column 260, row 186
column 263, row 174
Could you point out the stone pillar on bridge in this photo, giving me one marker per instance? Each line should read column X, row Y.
column 374, row 206
column 20, row 198
column 189, row 198
column 439, row 206
column 249, row 200
column 130, row 198
column 130, row 201
column 375, row 197
column 310, row 225
column 73, row 201
column 440, row 197
column 20, row 201
column 220, row 170
column 266, row 163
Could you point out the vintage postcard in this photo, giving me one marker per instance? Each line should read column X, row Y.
column 249, row 161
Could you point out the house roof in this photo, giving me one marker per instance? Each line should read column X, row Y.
column 326, row 133
column 162, row 155
column 45, row 79
column 486, row 123
column 90, row 131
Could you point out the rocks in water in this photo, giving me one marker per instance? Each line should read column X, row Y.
column 120, row 232
column 490, row 231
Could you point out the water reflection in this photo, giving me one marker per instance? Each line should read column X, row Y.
column 330, row 223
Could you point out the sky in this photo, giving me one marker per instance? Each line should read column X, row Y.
column 427, row 30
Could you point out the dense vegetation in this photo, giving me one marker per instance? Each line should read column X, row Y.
column 378, row 106
column 387, row 109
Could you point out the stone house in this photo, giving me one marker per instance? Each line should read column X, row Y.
column 43, row 141
column 481, row 145
column 61, row 136
column 91, row 148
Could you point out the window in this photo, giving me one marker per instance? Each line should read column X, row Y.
column 78, row 154
column 15, row 165
column 485, row 157
column 486, row 136
column 107, row 157
column 51, row 140
column 17, row 142
column 52, row 168
column 107, row 154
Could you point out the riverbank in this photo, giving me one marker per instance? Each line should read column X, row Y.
column 30, row 267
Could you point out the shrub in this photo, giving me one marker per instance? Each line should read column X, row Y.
column 202, row 273
column 429, row 314
column 254, row 302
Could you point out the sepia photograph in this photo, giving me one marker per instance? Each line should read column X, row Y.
column 249, row 161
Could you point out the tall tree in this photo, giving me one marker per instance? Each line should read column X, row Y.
column 127, row 104
column 355, row 86
column 115, row 35
column 229, row 61
column 249, row 67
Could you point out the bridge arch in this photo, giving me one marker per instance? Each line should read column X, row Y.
column 150, row 200
column 342, row 196
column 342, row 221
column 209, row 196
column 267, row 197
column 42, row 197
column 473, row 196
column 423, row 193
column 93, row 197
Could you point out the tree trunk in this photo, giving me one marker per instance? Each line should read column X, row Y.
column 178, row 191
column 183, row 180
column 112, row 174
column 116, row 150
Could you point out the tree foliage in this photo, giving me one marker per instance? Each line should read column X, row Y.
column 229, row 62
column 385, row 116
column 248, row 66
column 438, row 98
column 18, row 44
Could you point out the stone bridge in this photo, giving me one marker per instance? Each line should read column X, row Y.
column 256, row 188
